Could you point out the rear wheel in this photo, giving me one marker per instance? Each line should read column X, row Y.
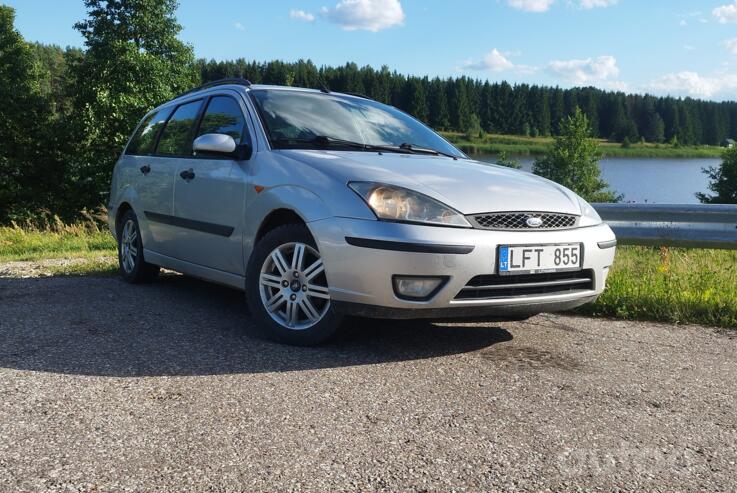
column 287, row 289
column 133, row 267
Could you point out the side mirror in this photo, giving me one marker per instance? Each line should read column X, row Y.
column 214, row 144
column 221, row 144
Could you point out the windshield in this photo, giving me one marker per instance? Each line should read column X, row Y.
column 296, row 119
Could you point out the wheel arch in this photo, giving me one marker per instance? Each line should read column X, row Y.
column 276, row 218
column 122, row 209
column 277, row 206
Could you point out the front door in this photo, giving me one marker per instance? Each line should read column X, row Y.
column 210, row 195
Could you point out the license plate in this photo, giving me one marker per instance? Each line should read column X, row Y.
column 534, row 259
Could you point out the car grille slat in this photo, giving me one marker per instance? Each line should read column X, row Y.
column 495, row 286
column 507, row 221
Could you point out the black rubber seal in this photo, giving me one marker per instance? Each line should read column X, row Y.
column 400, row 246
column 180, row 222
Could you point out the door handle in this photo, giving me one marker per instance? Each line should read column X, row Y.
column 187, row 174
column 145, row 169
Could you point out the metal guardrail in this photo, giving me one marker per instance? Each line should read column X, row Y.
column 681, row 225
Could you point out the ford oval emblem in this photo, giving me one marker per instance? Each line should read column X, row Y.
column 534, row 222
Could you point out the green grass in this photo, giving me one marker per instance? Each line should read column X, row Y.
column 535, row 146
column 671, row 285
column 58, row 241
column 99, row 266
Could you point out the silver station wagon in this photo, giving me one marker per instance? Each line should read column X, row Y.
column 320, row 205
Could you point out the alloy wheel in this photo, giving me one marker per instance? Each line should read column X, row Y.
column 293, row 287
column 129, row 246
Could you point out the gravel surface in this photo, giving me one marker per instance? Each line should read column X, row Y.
column 110, row 387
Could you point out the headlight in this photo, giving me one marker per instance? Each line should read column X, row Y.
column 392, row 203
column 589, row 216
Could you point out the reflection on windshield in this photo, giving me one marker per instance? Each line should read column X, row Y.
column 294, row 117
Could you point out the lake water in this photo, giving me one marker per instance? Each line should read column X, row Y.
column 652, row 180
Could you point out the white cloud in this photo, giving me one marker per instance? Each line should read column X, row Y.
column 531, row 5
column 683, row 23
column 726, row 13
column 368, row 15
column 544, row 5
column 689, row 83
column 302, row 15
column 239, row 26
column 731, row 45
column 495, row 61
column 590, row 4
column 585, row 71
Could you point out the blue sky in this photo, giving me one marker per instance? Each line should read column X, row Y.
column 679, row 47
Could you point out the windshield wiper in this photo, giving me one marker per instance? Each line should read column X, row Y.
column 402, row 148
column 425, row 150
column 319, row 141
column 325, row 141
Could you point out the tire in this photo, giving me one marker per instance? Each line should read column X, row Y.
column 296, row 290
column 133, row 267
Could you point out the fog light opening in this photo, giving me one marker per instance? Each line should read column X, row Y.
column 417, row 288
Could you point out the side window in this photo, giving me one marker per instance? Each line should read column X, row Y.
column 223, row 116
column 144, row 140
column 176, row 139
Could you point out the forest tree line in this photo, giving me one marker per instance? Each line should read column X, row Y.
column 465, row 104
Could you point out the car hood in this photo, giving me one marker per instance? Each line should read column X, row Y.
column 466, row 185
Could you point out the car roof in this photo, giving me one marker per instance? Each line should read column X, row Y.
column 252, row 87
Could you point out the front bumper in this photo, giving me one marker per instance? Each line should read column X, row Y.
column 360, row 277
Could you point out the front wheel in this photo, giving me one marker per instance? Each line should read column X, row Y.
column 287, row 289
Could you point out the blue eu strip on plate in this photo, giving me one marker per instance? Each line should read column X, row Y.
column 504, row 258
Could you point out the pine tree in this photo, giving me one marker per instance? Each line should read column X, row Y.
column 655, row 130
column 723, row 180
column 415, row 99
column 573, row 160
column 438, row 105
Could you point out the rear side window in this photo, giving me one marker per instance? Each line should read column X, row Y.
column 176, row 139
column 144, row 140
column 223, row 116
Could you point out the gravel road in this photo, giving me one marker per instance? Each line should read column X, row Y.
column 110, row 387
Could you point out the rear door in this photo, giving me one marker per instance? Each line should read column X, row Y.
column 152, row 178
column 210, row 193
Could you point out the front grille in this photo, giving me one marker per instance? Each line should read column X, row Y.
column 488, row 287
column 517, row 220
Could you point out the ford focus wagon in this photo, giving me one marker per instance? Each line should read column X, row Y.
column 320, row 205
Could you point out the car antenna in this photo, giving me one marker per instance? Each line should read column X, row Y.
column 324, row 87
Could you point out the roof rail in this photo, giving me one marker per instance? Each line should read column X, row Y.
column 234, row 80
column 357, row 95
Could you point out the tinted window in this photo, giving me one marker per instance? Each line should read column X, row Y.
column 176, row 139
column 223, row 116
column 145, row 139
